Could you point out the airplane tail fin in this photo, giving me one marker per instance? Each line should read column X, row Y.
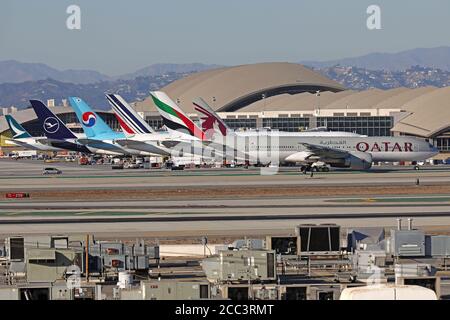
column 16, row 129
column 130, row 121
column 211, row 122
column 173, row 117
column 52, row 126
column 93, row 125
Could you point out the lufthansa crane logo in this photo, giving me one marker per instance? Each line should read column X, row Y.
column 51, row 125
column 88, row 118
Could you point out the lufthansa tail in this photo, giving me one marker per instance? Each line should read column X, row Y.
column 52, row 126
column 17, row 130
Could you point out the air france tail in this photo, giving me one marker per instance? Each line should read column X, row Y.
column 52, row 126
column 174, row 118
column 17, row 130
column 93, row 125
column 130, row 121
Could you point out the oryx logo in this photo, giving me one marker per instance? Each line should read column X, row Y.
column 51, row 125
column 210, row 122
column 88, row 119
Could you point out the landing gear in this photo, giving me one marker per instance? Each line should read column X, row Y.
column 305, row 169
column 416, row 167
column 311, row 168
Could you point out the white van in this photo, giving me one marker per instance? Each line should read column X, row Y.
column 388, row 292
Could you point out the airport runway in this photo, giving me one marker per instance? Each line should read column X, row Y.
column 174, row 222
column 196, row 214
column 27, row 176
column 239, row 205
column 129, row 228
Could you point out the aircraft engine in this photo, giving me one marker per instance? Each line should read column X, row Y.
column 298, row 157
column 356, row 160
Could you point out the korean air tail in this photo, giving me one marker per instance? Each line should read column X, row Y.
column 173, row 117
column 211, row 122
column 130, row 122
column 52, row 126
column 16, row 129
column 93, row 125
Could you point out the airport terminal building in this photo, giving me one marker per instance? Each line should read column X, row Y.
column 291, row 97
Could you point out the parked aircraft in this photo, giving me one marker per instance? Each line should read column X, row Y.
column 98, row 133
column 22, row 138
column 337, row 149
column 140, row 136
column 58, row 135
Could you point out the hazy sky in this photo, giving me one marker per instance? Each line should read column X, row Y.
column 121, row 36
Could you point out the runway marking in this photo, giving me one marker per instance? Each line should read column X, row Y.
column 225, row 217
column 329, row 198
column 218, row 174
column 399, row 199
column 84, row 212
column 76, row 213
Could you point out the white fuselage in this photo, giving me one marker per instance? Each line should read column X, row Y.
column 267, row 146
column 164, row 143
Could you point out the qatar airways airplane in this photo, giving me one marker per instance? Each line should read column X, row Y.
column 345, row 150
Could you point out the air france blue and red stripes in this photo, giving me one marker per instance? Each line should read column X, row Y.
column 128, row 119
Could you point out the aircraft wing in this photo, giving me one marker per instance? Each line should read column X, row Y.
column 15, row 142
column 170, row 143
column 48, row 141
column 325, row 152
column 98, row 144
column 174, row 143
column 142, row 146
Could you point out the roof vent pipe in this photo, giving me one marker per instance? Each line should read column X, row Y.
column 410, row 220
column 399, row 224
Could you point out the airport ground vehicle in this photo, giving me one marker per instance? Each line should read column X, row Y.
column 131, row 165
column 51, row 170
column 170, row 164
column 388, row 292
column 83, row 161
column 317, row 167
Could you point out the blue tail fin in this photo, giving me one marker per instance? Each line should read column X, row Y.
column 52, row 126
column 17, row 130
column 93, row 125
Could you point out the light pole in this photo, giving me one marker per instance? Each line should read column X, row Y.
column 264, row 101
column 318, row 101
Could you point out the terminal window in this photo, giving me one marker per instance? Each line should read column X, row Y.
column 241, row 123
column 286, row 124
column 371, row 126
